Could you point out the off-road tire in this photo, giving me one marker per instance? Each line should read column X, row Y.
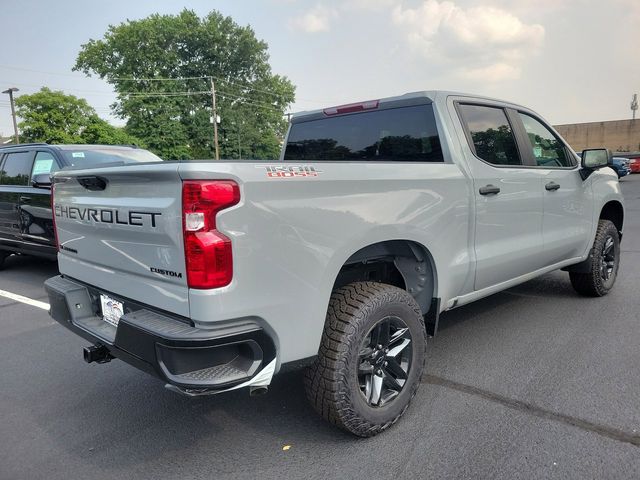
column 331, row 382
column 592, row 283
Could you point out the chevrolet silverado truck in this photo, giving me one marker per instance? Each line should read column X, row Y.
column 378, row 217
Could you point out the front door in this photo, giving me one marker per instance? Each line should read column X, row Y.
column 568, row 200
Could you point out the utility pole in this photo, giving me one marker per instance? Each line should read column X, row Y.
column 215, row 118
column 634, row 105
column 13, row 111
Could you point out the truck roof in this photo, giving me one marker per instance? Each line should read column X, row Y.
column 411, row 98
column 67, row 146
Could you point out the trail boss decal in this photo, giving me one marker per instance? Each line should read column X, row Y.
column 290, row 171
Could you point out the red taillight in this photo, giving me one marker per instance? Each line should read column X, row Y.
column 352, row 107
column 53, row 216
column 207, row 251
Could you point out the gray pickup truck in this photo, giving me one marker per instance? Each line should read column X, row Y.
column 378, row 216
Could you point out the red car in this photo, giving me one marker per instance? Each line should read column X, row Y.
column 634, row 164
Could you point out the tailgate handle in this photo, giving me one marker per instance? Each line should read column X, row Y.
column 93, row 183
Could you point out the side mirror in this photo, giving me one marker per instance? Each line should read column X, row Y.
column 593, row 159
column 41, row 180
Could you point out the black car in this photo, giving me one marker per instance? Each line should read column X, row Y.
column 26, row 224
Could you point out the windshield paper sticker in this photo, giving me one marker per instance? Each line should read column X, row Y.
column 77, row 154
column 290, row 171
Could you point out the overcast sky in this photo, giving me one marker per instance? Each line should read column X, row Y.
column 571, row 60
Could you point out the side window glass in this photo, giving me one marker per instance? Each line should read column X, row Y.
column 44, row 163
column 16, row 168
column 491, row 134
column 547, row 149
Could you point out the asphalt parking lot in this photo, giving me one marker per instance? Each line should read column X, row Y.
column 534, row 382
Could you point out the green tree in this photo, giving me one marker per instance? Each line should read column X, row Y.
column 100, row 132
column 52, row 116
column 55, row 117
column 136, row 56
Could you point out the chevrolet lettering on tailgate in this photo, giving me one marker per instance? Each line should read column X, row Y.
column 136, row 218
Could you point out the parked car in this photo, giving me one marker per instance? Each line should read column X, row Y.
column 620, row 165
column 26, row 224
column 379, row 216
column 634, row 165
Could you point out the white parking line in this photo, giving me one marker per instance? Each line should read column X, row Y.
column 27, row 300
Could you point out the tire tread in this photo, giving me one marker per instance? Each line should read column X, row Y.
column 590, row 284
column 325, row 380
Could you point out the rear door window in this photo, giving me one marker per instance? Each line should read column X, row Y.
column 16, row 168
column 491, row 135
column 45, row 162
column 398, row 134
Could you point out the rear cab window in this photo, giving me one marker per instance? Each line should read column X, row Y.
column 406, row 134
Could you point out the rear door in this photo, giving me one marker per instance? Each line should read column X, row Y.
column 508, row 197
column 35, row 205
column 568, row 200
column 14, row 185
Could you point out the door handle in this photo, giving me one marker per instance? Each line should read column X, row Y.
column 489, row 190
column 25, row 199
column 551, row 186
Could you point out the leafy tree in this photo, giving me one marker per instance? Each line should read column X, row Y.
column 136, row 56
column 54, row 117
column 101, row 132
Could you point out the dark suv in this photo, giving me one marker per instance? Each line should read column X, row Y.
column 26, row 224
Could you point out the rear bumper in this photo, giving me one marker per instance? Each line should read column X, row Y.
column 192, row 360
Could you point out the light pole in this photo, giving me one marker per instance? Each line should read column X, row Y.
column 13, row 111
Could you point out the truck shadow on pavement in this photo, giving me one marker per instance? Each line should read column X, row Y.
column 551, row 285
column 29, row 267
column 117, row 412
column 130, row 417
column 98, row 413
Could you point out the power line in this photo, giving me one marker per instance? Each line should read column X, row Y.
column 222, row 94
column 78, row 75
column 225, row 94
column 249, row 102
column 163, row 94
column 161, row 79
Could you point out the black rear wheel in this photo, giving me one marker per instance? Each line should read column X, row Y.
column 370, row 360
column 384, row 361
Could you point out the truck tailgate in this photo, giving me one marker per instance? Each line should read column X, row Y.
column 120, row 229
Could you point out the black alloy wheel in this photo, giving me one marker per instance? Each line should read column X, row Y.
column 384, row 361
